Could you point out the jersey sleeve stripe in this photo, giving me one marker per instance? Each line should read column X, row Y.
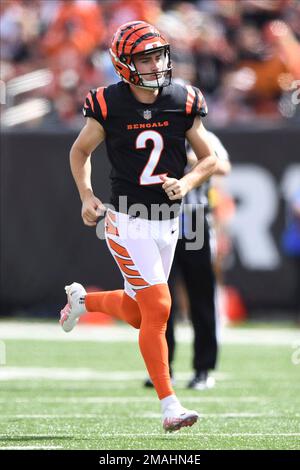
column 90, row 101
column 201, row 105
column 190, row 99
column 102, row 102
column 200, row 100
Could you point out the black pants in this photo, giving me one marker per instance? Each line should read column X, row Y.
column 197, row 272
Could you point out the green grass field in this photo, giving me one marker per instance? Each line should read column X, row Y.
column 88, row 395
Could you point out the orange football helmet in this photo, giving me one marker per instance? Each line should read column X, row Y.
column 138, row 37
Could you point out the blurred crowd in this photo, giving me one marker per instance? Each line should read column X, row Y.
column 243, row 54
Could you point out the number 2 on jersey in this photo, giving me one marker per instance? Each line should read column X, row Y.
column 147, row 176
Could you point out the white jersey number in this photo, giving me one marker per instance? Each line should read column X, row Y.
column 147, row 176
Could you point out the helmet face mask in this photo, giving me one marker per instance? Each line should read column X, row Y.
column 135, row 39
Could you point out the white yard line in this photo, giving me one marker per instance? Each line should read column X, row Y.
column 53, row 373
column 81, row 374
column 20, row 447
column 50, row 331
column 146, row 416
column 127, row 400
column 193, row 435
column 202, row 435
column 104, row 378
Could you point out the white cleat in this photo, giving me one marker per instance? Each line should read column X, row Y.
column 75, row 307
column 175, row 418
column 207, row 384
column 202, row 381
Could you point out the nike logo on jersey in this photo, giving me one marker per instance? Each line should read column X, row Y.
column 148, row 125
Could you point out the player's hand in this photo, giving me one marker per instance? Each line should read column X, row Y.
column 174, row 188
column 92, row 209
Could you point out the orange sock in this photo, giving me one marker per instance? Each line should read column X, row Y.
column 155, row 304
column 115, row 303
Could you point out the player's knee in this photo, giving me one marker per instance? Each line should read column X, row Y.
column 158, row 302
column 136, row 323
column 131, row 311
column 163, row 306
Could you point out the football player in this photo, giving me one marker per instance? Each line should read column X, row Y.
column 144, row 120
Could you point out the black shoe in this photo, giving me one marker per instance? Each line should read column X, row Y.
column 201, row 381
column 149, row 384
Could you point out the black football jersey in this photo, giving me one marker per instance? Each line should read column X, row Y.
column 144, row 141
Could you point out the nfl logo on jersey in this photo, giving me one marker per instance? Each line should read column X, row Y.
column 147, row 114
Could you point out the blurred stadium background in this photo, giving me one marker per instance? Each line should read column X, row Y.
column 245, row 57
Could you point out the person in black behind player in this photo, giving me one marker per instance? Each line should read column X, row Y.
column 144, row 120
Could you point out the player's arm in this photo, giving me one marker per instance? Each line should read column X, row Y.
column 204, row 151
column 223, row 167
column 89, row 138
column 204, row 168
